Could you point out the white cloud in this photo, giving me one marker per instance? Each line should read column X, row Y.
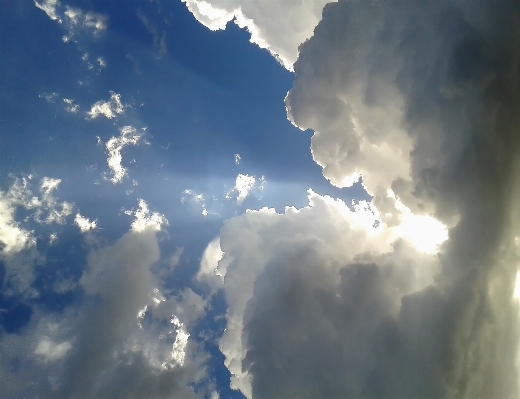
column 71, row 106
column 129, row 136
column 73, row 19
column 267, row 253
column 49, row 7
column 279, row 26
column 17, row 238
column 101, row 62
column 84, row 223
column 244, row 184
column 51, row 351
column 238, row 158
column 212, row 270
column 190, row 195
column 109, row 109
column 144, row 220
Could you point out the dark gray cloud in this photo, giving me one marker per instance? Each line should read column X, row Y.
column 421, row 98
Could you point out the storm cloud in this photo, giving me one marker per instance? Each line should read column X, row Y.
column 421, row 101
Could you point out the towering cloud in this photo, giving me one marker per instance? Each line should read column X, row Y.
column 420, row 100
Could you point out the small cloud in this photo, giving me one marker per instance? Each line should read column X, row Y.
column 109, row 109
column 53, row 237
column 144, row 219
column 243, row 186
column 49, row 97
column 190, row 195
column 52, row 351
column 84, row 223
column 176, row 257
column 77, row 19
column 70, row 106
column 49, row 7
column 129, row 136
column 101, row 62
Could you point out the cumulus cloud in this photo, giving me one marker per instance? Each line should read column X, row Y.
column 17, row 238
column 244, row 184
column 108, row 109
column 127, row 338
column 412, row 294
column 278, row 26
column 84, row 224
column 128, row 136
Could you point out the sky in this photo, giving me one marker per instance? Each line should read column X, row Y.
column 248, row 199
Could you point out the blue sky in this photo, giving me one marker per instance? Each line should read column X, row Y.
column 174, row 223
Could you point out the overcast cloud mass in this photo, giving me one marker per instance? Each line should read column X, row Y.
column 172, row 227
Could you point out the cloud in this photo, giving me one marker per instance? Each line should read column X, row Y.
column 267, row 253
column 17, row 237
column 71, row 106
column 243, row 186
column 109, row 109
column 278, row 26
column 412, row 294
column 49, row 7
column 128, row 136
column 75, row 20
column 122, row 340
column 51, row 350
column 190, row 195
column 84, row 223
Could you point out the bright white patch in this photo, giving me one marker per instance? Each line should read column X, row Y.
column 211, row 17
column 49, row 7
column 181, row 341
column 423, row 231
column 129, row 136
column 84, row 223
column 101, row 62
column 279, row 26
column 13, row 237
column 52, row 351
column 244, row 184
column 70, row 106
column 238, row 158
column 209, row 264
column 109, row 109
column 144, row 220
column 53, row 237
